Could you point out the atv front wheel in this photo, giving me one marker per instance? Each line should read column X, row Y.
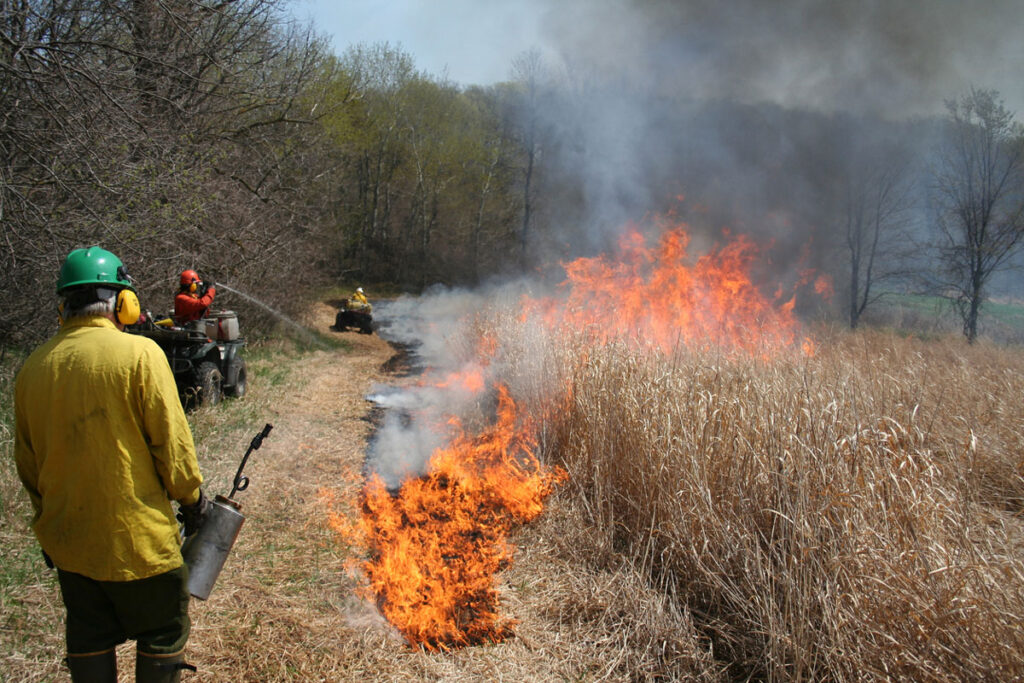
column 209, row 385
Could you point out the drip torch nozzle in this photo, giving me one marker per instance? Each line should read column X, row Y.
column 241, row 483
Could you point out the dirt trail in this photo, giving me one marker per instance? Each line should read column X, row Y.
column 283, row 608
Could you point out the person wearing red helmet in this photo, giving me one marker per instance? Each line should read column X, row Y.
column 193, row 299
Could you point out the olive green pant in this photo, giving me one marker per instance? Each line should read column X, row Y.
column 102, row 614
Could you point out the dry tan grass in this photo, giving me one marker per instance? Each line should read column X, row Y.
column 851, row 516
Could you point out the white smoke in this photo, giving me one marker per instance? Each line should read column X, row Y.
column 884, row 57
column 438, row 330
column 744, row 107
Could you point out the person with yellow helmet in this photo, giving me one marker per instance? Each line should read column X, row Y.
column 102, row 447
column 193, row 299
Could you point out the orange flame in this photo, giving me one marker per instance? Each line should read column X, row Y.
column 659, row 296
column 469, row 381
column 436, row 545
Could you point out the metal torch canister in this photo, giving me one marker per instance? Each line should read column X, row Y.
column 206, row 551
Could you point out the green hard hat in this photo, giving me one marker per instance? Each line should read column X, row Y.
column 92, row 266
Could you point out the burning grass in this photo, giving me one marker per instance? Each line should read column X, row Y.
column 771, row 514
column 660, row 296
column 842, row 508
column 435, row 544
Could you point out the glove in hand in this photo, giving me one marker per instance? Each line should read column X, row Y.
column 193, row 516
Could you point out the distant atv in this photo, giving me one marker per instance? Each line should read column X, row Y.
column 354, row 315
column 204, row 356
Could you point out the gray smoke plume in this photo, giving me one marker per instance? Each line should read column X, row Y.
column 747, row 116
column 755, row 112
column 885, row 57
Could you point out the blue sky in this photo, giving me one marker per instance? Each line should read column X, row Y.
column 473, row 41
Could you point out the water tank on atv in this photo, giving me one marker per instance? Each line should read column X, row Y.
column 222, row 325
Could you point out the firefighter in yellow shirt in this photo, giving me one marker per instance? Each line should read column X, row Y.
column 358, row 301
column 102, row 447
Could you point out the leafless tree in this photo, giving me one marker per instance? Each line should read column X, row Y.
column 156, row 128
column 878, row 186
column 980, row 192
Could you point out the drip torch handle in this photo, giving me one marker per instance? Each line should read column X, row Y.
column 241, row 483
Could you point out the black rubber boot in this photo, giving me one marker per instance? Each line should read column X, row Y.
column 98, row 667
column 160, row 668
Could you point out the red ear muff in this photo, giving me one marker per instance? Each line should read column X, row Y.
column 127, row 307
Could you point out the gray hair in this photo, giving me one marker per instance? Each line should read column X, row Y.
column 93, row 301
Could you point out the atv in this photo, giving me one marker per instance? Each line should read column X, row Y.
column 204, row 356
column 355, row 315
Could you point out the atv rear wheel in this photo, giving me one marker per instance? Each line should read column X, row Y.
column 209, row 384
column 237, row 390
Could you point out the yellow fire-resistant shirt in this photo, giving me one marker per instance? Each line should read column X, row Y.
column 102, row 446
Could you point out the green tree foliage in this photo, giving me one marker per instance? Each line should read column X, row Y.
column 424, row 191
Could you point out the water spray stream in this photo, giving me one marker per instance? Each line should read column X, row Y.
column 305, row 331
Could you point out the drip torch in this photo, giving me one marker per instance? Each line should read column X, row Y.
column 206, row 550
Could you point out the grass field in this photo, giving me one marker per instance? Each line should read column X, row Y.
column 1000, row 320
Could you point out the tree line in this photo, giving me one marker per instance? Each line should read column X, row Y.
column 226, row 137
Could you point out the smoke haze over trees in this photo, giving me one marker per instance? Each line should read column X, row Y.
column 228, row 139
column 980, row 200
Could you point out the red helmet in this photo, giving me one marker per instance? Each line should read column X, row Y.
column 188, row 277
